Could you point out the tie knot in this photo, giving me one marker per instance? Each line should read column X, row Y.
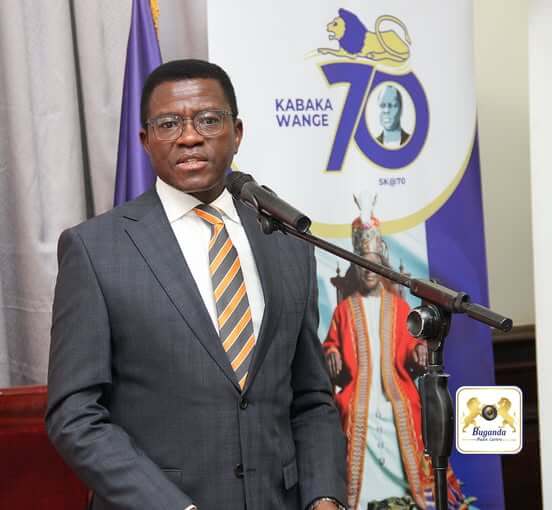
column 209, row 214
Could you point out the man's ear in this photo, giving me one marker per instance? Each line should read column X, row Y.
column 238, row 134
column 144, row 140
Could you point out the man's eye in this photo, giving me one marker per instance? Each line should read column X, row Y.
column 167, row 124
column 210, row 120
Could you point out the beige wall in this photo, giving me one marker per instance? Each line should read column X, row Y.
column 501, row 50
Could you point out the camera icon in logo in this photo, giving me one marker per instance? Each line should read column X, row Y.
column 489, row 412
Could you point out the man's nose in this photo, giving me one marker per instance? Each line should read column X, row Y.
column 189, row 135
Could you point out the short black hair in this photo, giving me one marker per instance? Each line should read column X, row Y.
column 187, row 69
column 397, row 91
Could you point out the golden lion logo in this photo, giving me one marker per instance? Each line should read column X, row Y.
column 474, row 411
column 356, row 41
column 489, row 412
column 503, row 408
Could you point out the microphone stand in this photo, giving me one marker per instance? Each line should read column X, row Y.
column 430, row 321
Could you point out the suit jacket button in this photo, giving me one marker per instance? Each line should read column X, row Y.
column 243, row 403
column 238, row 471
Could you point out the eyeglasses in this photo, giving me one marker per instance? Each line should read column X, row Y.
column 206, row 122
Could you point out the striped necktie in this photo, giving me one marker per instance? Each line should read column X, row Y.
column 233, row 312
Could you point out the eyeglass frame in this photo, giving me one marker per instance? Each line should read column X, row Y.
column 224, row 113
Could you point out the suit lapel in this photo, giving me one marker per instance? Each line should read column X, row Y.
column 150, row 231
column 266, row 251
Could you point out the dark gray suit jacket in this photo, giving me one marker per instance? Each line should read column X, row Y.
column 143, row 402
column 404, row 137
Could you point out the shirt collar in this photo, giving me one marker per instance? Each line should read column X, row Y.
column 177, row 203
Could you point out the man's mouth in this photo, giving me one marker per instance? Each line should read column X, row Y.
column 191, row 163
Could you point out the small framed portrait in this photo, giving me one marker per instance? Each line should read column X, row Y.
column 390, row 115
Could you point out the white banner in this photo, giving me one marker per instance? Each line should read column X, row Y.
column 363, row 116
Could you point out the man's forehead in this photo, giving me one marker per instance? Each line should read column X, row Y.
column 389, row 94
column 172, row 96
column 189, row 87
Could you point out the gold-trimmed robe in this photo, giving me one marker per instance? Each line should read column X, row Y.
column 348, row 334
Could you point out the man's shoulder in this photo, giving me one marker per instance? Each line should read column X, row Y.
column 395, row 298
column 346, row 305
column 106, row 222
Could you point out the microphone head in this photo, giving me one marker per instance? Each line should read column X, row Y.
column 235, row 181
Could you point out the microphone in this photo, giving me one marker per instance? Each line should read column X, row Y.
column 245, row 189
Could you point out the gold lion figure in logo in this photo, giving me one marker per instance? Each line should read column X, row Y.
column 474, row 410
column 356, row 41
column 503, row 407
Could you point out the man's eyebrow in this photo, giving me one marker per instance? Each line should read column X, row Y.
column 166, row 114
column 204, row 109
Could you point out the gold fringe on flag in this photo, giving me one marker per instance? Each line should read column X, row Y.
column 154, row 6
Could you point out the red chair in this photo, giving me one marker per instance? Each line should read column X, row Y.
column 32, row 474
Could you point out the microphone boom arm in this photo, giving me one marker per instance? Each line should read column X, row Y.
column 429, row 291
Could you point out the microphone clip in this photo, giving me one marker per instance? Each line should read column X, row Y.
column 268, row 223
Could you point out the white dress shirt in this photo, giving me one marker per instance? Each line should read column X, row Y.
column 193, row 234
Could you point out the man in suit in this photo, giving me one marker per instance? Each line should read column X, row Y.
column 391, row 105
column 185, row 369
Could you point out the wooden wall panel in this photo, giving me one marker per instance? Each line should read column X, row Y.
column 515, row 365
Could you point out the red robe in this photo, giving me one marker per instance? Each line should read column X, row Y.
column 348, row 335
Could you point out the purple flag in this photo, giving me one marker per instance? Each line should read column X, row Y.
column 134, row 172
